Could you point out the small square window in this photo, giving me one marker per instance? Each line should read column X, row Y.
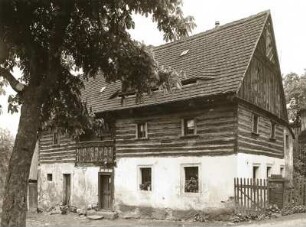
column 191, row 179
column 273, row 125
column 145, row 179
column 141, row 129
column 55, row 138
column 49, row 177
column 255, row 120
column 189, row 127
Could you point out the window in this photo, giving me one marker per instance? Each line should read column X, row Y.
column 272, row 130
column 255, row 120
column 189, row 127
column 287, row 141
column 269, row 170
column 141, row 129
column 282, row 171
column 255, row 172
column 145, row 179
column 49, row 177
column 191, row 179
column 55, row 138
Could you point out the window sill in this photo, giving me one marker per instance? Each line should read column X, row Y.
column 272, row 139
column 255, row 134
column 140, row 139
column 191, row 194
column 189, row 136
column 145, row 192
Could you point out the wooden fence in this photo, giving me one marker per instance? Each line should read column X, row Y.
column 251, row 195
column 296, row 193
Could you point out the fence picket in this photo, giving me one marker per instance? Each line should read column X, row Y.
column 250, row 194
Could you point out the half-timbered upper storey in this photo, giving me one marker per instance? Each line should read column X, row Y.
column 231, row 100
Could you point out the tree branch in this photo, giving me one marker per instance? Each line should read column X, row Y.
column 15, row 84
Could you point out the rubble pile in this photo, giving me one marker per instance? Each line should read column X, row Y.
column 199, row 218
column 293, row 209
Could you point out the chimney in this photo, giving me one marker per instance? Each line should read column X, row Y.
column 217, row 23
column 303, row 119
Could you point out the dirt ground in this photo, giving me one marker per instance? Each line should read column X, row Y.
column 40, row 220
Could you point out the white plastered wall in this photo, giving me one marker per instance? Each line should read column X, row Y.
column 84, row 185
column 247, row 161
column 216, row 182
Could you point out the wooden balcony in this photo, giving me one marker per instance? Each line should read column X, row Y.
column 95, row 152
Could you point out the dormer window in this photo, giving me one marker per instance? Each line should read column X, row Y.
column 189, row 81
column 184, row 53
column 102, row 89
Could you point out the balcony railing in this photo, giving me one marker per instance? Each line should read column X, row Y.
column 95, row 152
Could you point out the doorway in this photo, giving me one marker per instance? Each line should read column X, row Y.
column 105, row 191
column 66, row 189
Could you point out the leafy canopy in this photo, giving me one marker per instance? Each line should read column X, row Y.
column 48, row 39
column 295, row 91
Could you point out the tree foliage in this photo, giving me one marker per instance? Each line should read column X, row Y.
column 295, row 92
column 48, row 40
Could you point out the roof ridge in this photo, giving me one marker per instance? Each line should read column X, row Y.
column 227, row 25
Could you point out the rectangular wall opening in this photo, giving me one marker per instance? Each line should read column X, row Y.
column 66, row 189
column 145, row 179
column 255, row 172
column 191, row 179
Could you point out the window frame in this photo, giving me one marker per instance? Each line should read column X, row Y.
column 268, row 170
column 49, row 177
column 145, row 127
column 184, row 126
column 282, row 170
column 256, row 174
column 57, row 135
column 139, row 182
column 254, row 115
column 287, row 142
column 273, row 131
column 183, row 179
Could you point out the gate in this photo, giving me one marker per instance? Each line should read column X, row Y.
column 251, row 195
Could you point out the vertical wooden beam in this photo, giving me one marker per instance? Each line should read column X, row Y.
column 244, row 193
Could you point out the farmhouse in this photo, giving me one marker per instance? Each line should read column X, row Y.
column 180, row 150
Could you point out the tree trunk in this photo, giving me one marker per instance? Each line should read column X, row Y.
column 15, row 196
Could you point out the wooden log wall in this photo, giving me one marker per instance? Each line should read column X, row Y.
column 261, row 143
column 262, row 84
column 63, row 152
column 215, row 126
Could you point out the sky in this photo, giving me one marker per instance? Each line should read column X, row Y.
column 289, row 23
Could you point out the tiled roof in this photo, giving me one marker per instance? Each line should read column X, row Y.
column 221, row 54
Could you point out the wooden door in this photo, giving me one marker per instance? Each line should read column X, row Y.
column 105, row 191
column 32, row 193
column 66, row 189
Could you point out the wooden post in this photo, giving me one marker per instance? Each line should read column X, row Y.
column 241, row 201
column 244, row 193
column 235, row 193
